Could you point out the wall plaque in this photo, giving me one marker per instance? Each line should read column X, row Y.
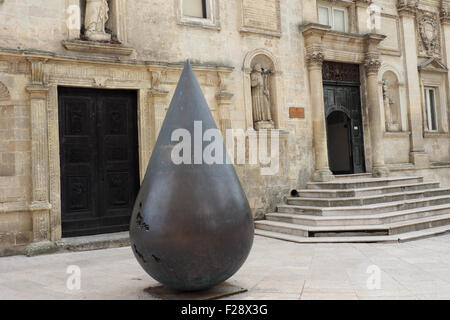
column 296, row 113
column 262, row 16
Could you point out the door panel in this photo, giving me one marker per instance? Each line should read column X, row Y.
column 346, row 99
column 99, row 160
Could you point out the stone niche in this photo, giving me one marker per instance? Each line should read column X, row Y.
column 391, row 102
column 261, row 90
column 102, row 27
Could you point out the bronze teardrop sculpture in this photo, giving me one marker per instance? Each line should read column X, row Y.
column 191, row 226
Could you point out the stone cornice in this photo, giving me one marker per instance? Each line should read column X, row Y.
column 52, row 56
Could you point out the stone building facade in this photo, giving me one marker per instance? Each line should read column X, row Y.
column 376, row 68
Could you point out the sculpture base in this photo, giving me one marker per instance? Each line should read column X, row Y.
column 98, row 36
column 220, row 291
column 261, row 125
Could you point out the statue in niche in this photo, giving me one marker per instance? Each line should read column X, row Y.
column 97, row 14
column 391, row 123
column 260, row 84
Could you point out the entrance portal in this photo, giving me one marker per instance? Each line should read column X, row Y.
column 343, row 117
column 339, row 143
column 99, row 160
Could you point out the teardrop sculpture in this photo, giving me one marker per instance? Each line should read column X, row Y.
column 191, row 226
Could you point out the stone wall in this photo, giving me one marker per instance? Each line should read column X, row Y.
column 156, row 39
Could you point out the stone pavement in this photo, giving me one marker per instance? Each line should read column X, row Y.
column 274, row 270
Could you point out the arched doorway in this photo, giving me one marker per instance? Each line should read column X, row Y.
column 339, row 143
column 343, row 115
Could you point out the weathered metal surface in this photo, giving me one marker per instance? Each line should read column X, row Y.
column 191, row 227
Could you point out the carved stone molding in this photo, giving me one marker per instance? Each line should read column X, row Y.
column 314, row 58
column 364, row 2
column 444, row 13
column 429, row 38
column 407, row 7
column 97, row 47
column 37, row 70
column 372, row 63
column 336, row 71
column 4, row 92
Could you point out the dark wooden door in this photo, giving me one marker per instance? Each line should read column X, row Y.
column 346, row 98
column 99, row 160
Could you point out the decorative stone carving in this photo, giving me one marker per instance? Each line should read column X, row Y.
column 407, row 7
column 4, row 92
column 336, row 71
column 100, row 82
column 97, row 13
column 392, row 123
column 445, row 15
column 261, row 104
column 429, row 33
column 315, row 58
column 37, row 70
column 372, row 63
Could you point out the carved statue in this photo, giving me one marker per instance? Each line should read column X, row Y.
column 95, row 20
column 391, row 124
column 262, row 116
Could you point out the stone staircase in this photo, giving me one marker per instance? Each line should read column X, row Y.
column 359, row 208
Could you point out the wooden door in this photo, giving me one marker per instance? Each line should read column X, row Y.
column 346, row 98
column 99, row 160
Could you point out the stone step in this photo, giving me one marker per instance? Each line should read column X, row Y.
column 360, row 230
column 392, row 238
column 381, row 218
column 352, row 176
column 365, row 209
column 358, row 201
column 361, row 192
column 364, row 183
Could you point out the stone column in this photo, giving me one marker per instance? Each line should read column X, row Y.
column 445, row 22
column 406, row 10
column 223, row 98
column 314, row 61
column 157, row 104
column 372, row 64
column 40, row 206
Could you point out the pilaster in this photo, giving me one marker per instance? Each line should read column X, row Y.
column 40, row 206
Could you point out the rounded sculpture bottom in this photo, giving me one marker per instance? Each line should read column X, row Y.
column 192, row 263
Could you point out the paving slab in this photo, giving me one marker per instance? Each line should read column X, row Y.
column 274, row 270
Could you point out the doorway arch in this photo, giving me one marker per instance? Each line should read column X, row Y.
column 340, row 156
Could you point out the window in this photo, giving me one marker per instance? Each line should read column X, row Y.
column 198, row 13
column 195, row 9
column 430, row 108
column 334, row 17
